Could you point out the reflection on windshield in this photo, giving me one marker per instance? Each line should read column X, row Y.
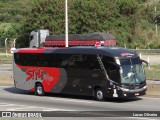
column 132, row 71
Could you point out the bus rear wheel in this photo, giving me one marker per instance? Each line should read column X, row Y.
column 39, row 90
column 99, row 95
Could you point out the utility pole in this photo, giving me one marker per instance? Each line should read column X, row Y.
column 155, row 10
column 66, row 21
column 14, row 43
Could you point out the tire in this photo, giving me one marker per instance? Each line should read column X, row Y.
column 99, row 94
column 39, row 90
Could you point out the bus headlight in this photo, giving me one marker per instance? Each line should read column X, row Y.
column 123, row 89
column 145, row 87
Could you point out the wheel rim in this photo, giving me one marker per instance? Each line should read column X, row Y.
column 99, row 94
column 39, row 90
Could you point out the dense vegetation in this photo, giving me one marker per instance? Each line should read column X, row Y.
column 132, row 22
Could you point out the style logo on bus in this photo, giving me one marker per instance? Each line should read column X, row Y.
column 37, row 73
column 126, row 54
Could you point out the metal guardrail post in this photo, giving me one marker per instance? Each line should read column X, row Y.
column 6, row 47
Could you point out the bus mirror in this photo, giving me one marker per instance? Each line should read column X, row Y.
column 143, row 61
column 121, row 71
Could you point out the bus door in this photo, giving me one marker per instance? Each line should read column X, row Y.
column 90, row 74
column 73, row 77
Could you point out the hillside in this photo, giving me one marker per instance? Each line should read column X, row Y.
column 132, row 22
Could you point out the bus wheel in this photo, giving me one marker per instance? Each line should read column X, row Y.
column 99, row 95
column 39, row 90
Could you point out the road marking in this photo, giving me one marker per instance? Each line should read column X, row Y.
column 54, row 109
column 151, row 98
column 5, row 86
column 23, row 108
column 69, row 100
column 18, row 107
column 141, row 118
column 7, row 105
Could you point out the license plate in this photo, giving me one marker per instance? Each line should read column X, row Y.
column 136, row 94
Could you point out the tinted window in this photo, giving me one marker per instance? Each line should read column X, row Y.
column 21, row 59
column 91, row 62
column 130, row 61
column 112, row 70
column 58, row 60
column 84, row 62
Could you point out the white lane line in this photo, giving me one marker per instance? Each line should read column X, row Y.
column 37, row 108
column 5, row 86
column 54, row 109
column 29, row 108
column 141, row 118
column 69, row 100
column 7, row 105
column 23, row 108
column 131, row 118
column 156, row 98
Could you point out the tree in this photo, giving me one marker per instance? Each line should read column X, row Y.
column 45, row 14
column 125, row 19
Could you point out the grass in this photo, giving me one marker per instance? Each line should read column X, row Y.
column 153, row 73
column 4, row 57
column 2, row 50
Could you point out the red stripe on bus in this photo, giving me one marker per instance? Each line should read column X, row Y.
column 32, row 50
column 47, row 75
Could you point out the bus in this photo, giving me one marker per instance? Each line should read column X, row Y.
column 100, row 72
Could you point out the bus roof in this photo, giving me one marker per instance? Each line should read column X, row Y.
column 108, row 51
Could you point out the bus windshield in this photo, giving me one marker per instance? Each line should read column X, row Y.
column 132, row 71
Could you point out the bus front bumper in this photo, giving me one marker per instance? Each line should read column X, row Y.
column 132, row 92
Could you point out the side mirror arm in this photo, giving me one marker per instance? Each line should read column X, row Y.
column 143, row 61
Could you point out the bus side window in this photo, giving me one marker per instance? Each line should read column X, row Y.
column 112, row 70
column 17, row 58
column 90, row 62
column 75, row 61
column 35, row 60
column 45, row 60
column 64, row 63
column 60, row 60
column 21, row 59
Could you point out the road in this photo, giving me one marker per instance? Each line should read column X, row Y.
column 6, row 69
column 12, row 99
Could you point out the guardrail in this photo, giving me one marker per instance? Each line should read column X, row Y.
column 4, row 48
column 147, row 50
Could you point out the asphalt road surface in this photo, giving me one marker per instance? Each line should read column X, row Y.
column 77, row 107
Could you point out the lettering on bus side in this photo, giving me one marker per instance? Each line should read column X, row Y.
column 37, row 73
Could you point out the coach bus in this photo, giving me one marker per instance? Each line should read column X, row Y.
column 93, row 71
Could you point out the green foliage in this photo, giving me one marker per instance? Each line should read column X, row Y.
column 45, row 14
column 130, row 21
